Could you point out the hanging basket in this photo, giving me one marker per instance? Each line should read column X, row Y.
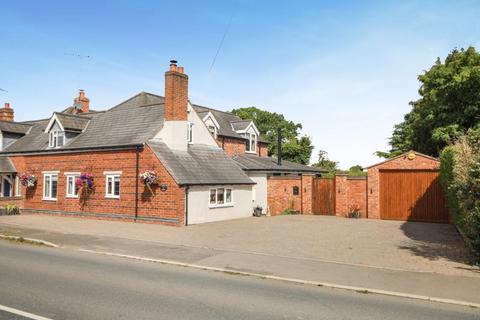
column 28, row 180
column 149, row 178
column 85, row 183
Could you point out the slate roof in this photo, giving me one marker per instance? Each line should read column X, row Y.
column 200, row 165
column 73, row 122
column 14, row 127
column 228, row 122
column 241, row 125
column 6, row 166
column 132, row 122
column 250, row 162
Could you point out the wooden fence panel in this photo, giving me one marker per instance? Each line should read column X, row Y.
column 323, row 196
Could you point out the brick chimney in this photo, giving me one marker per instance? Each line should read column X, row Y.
column 176, row 93
column 81, row 103
column 6, row 113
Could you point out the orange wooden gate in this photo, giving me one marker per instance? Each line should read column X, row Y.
column 323, row 196
column 412, row 195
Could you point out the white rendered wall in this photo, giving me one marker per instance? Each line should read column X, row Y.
column 199, row 210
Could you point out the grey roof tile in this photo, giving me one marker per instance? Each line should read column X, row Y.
column 6, row 166
column 200, row 165
column 14, row 127
column 73, row 122
column 132, row 122
column 250, row 162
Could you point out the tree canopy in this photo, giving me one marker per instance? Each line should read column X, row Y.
column 295, row 148
column 449, row 105
column 325, row 163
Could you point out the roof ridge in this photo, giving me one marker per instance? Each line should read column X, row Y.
column 14, row 122
column 72, row 115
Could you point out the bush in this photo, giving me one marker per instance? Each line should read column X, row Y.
column 11, row 209
column 460, row 178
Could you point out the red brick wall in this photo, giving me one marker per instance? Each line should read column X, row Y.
column 280, row 193
column 167, row 207
column 403, row 162
column 18, row 201
column 263, row 149
column 231, row 146
column 350, row 191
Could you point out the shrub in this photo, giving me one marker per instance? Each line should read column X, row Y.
column 354, row 211
column 460, row 178
column 11, row 209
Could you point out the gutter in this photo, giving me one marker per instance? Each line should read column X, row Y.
column 186, row 205
column 137, row 168
column 73, row 150
column 284, row 170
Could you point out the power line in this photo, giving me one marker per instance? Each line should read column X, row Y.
column 81, row 56
column 3, row 90
column 221, row 43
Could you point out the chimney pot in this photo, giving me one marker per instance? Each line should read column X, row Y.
column 7, row 105
column 180, row 69
column 173, row 65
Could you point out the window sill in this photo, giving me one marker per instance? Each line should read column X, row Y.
column 252, row 152
column 113, row 197
column 214, row 206
column 49, row 199
column 71, row 197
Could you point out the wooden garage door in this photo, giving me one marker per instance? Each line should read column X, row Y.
column 412, row 195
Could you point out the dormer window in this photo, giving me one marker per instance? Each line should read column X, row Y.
column 213, row 130
column 56, row 139
column 251, row 143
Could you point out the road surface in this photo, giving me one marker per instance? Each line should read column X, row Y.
column 68, row 284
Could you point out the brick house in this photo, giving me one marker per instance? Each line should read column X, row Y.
column 211, row 165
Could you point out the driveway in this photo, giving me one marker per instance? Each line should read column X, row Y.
column 411, row 246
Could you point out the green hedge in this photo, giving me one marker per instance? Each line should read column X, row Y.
column 460, row 178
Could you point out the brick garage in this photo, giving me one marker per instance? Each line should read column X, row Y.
column 406, row 188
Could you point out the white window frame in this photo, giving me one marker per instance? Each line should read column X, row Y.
column 190, row 132
column 214, row 133
column 110, row 178
column 216, row 204
column 73, row 177
column 252, row 142
column 49, row 175
column 18, row 187
column 53, row 138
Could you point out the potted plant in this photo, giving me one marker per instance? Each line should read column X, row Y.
column 257, row 211
column 149, row 178
column 28, row 180
column 354, row 211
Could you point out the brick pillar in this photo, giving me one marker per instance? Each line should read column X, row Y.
column 341, row 195
column 307, row 181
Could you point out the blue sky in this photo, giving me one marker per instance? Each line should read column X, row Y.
column 345, row 70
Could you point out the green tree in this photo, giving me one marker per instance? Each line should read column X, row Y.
column 325, row 163
column 295, row 148
column 356, row 171
column 449, row 105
